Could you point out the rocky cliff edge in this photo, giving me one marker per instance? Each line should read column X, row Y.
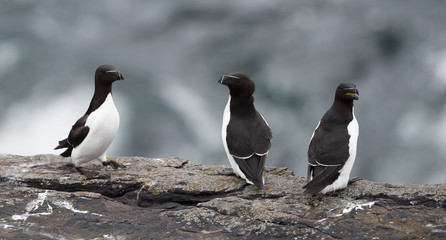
column 171, row 198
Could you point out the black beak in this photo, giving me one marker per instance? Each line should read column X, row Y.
column 225, row 79
column 354, row 93
column 222, row 79
column 116, row 73
column 120, row 77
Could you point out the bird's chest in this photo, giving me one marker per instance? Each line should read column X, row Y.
column 353, row 129
column 104, row 121
column 226, row 117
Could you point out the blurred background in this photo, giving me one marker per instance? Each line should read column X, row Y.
column 172, row 54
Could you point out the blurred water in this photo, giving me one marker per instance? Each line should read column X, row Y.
column 172, row 54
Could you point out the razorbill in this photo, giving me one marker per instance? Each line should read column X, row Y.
column 332, row 149
column 93, row 133
column 245, row 133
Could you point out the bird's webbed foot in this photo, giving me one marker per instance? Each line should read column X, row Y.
column 354, row 179
column 91, row 174
column 114, row 164
column 227, row 173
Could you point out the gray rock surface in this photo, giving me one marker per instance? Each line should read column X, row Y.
column 171, row 198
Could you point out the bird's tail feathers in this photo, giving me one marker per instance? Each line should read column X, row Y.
column 64, row 144
column 321, row 180
column 258, row 184
column 67, row 152
column 253, row 169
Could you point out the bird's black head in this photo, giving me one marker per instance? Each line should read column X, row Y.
column 107, row 74
column 238, row 83
column 347, row 91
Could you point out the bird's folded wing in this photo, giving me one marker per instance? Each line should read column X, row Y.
column 78, row 132
column 246, row 138
column 328, row 147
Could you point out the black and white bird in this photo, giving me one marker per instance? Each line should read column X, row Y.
column 245, row 133
column 332, row 149
column 93, row 133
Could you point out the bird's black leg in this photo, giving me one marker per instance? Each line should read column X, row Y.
column 227, row 173
column 86, row 173
column 354, row 179
column 91, row 174
column 115, row 165
column 68, row 166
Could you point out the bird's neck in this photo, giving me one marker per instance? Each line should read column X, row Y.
column 100, row 94
column 340, row 112
column 242, row 105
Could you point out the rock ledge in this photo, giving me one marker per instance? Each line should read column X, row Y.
column 171, row 198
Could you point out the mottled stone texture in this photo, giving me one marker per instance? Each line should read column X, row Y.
column 170, row 198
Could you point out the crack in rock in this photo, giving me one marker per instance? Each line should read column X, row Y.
column 105, row 188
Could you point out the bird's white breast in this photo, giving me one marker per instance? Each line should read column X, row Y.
column 103, row 124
